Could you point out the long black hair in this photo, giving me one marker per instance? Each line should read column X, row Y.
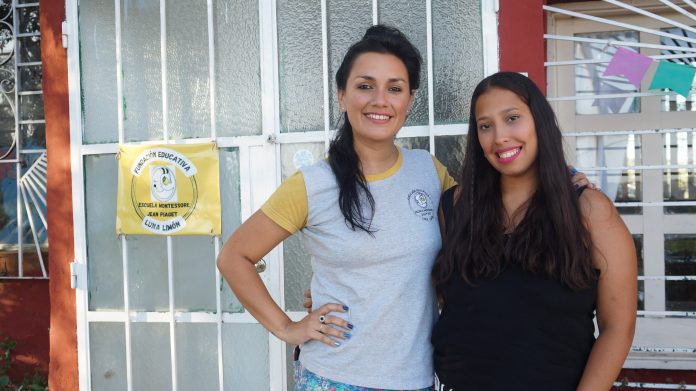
column 551, row 238
column 343, row 159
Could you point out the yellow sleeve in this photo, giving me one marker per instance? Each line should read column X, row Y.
column 287, row 206
column 446, row 180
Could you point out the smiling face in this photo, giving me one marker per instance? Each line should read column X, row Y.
column 506, row 132
column 377, row 97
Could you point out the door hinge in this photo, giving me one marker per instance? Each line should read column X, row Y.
column 76, row 274
column 64, row 28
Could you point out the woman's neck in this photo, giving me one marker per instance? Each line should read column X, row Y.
column 516, row 192
column 376, row 158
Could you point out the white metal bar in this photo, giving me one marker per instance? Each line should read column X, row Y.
column 76, row 167
column 27, row 93
column 126, row 309
column 41, row 169
column 678, row 9
column 26, row 5
column 666, row 203
column 656, row 386
column 37, row 177
column 31, row 151
column 119, row 71
column 667, row 278
column 691, row 3
column 32, row 121
column 608, row 96
column 18, row 147
column 31, row 183
column 325, row 72
column 618, row 24
column 271, row 128
column 38, row 209
column 22, row 278
column 626, row 132
column 180, row 317
column 28, row 63
column 647, row 349
column 431, row 80
column 211, row 68
column 218, row 318
column 608, row 42
column 651, row 167
column 28, row 35
column 172, row 321
column 270, row 96
column 375, row 12
column 489, row 24
column 163, row 61
column 222, row 142
column 20, row 223
column 606, row 61
column 651, row 15
column 33, row 231
column 667, row 314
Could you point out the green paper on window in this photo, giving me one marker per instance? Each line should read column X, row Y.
column 677, row 77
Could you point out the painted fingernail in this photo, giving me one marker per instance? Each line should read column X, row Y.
column 350, row 326
column 346, row 335
column 575, row 185
column 336, row 343
column 573, row 171
column 345, row 308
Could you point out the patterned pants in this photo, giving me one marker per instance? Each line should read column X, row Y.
column 308, row 381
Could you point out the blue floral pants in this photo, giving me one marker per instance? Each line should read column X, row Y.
column 309, row 381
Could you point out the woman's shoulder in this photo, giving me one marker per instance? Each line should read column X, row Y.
column 596, row 207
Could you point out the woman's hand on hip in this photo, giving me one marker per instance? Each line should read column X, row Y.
column 318, row 325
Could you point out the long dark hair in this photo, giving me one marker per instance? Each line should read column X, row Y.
column 343, row 159
column 551, row 238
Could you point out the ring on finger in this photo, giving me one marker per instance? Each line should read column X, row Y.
column 322, row 319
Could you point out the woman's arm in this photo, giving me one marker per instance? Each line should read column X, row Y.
column 615, row 256
column 251, row 241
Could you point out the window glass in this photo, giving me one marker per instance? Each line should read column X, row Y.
column 638, row 242
column 300, row 66
column 680, row 260
column 606, row 152
column 298, row 268
column 457, row 57
column 679, row 184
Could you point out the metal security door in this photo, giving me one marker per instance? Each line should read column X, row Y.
column 256, row 78
column 153, row 312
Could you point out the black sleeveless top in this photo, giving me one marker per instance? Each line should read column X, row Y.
column 519, row 331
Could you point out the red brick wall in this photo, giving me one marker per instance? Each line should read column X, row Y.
column 521, row 26
column 24, row 315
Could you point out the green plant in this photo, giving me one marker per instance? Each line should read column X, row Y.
column 36, row 382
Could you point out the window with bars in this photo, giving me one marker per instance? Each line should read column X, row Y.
column 638, row 145
column 23, row 229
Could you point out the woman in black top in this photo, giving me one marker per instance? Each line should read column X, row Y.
column 527, row 259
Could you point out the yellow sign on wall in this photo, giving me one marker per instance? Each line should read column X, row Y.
column 168, row 190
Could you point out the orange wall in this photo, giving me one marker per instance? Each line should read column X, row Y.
column 63, row 374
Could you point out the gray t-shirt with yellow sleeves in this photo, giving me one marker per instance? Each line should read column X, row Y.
column 384, row 279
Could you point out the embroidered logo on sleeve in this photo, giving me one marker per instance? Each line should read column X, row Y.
column 421, row 204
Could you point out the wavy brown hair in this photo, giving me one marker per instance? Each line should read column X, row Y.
column 551, row 238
